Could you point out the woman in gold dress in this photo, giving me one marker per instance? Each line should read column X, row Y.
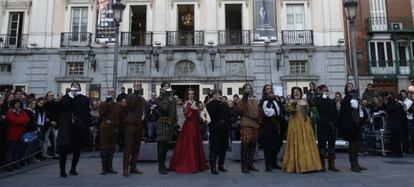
column 301, row 153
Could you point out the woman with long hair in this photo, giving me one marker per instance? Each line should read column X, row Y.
column 188, row 156
column 301, row 154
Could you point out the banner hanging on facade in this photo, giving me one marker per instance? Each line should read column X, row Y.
column 264, row 20
column 105, row 25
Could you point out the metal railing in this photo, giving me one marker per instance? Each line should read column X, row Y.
column 75, row 39
column 395, row 67
column 389, row 24
column 185, row 38
column 234, row 37
column 13, row 41
column 136, row 39
column 297, row 37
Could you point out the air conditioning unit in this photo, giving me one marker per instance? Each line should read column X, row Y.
column 396, row 26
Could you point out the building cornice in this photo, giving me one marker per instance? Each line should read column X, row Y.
column 185, row 1
column 220, row 2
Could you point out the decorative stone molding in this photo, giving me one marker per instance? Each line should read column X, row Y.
column 185, row 1
column 220, row 2
column 91, row 2
column 151, row 2
column 16, row 5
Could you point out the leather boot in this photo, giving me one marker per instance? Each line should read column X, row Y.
column 252, row 151
column 62, row 165
column 134, row 160
column 244, row 158
column 109, row 162
column 125, row 163
column 268, row 160
column 322, row 158
column 161, row 149
column 331, row 164
column 104, row 162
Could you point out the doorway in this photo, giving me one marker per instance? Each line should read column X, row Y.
column 138, row 25
column 234, row 24
column 180, row 90
column 185, row 25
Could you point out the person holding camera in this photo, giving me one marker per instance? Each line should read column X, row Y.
column 326, row 127
column 166, row 107
column 74, row 121
column 219, row 131
column 110, row 112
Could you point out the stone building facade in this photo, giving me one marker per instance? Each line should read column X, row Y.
column 46, row 44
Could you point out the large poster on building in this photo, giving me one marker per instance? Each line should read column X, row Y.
column 264, row 20
column 105, row 25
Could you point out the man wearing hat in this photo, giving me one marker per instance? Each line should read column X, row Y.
column 326, row 127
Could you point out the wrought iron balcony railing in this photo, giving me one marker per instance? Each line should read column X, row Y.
column 185, row 38
column 396, row 67
column 75, row 39
column 13, row 40
column 136, row 39
column 234, row 37
column 389, row 24
column 297, row 37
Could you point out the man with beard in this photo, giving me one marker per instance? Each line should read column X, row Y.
column 326, row 127
column 219, row 126
column 249, row 128
column 74, row 120
column 166, row 108
column 134, row 125
column 271, row 132
column 110, row 112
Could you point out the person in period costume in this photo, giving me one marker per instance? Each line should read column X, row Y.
column 219, row 131
column 270, row 132
column 310, row 96
column 134, row 125
column 110, row 112
column 249, row 128
column 189, row 156
column 301, row 153
column 396, row 121
column 326, row 127
column 74, row 121
column 166, row 107
column 351, row 130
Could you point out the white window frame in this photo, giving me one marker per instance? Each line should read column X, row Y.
column 307, row 12
column 78, row 70
column 303, row 66
column 385, row 52
column 296, row 9
column 378, row 12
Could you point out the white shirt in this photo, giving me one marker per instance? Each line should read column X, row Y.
column 407, row 104
column 269, row 112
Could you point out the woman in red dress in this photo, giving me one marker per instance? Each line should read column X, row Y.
column 188, row 156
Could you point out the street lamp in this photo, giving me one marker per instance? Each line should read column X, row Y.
column 350, row 11
column 117, row 9
column 212, row 54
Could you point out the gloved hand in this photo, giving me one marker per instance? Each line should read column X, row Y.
column 354, row 103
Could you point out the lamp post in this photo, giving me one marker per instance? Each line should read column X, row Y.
column 350, row 11
column 117, row 9
column 156, row 53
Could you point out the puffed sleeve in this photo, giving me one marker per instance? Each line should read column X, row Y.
column 269, row 112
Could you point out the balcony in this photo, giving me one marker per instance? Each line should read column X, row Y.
column 136, row 39
column 75, row 39
column 392, row 24
column 185, row 38
column 297, row 37
column 13, row 41
column 396, row 67
column 234, row 37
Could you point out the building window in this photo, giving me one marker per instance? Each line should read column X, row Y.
column 229, row 91
column 378, row 13
column 297, row 67
column 136, row 68
column 15, row 28
column 381, row 53
column 5, row 68
column 79, row 23
column 75, row 68
column 295, row 16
